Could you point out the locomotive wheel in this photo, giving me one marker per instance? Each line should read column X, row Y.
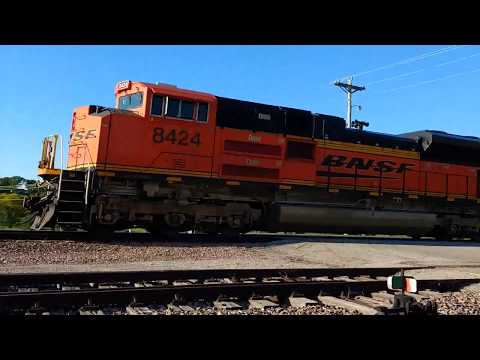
column 212, row 229
column 101, row 233
column 229, row 232
column 441, row 233
column 162, row 232
column 475, row 237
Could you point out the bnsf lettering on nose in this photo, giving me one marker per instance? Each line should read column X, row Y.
column 365, row 164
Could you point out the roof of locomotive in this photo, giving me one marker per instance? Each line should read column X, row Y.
column 238, row 114
column 374, row 139
column 162, row 88
column 428, row 138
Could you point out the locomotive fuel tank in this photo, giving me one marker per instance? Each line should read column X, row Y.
column 320, row 218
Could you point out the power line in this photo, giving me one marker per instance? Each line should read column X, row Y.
column 421, row 70
column 394, row 77
column 409, row 60
column 460, row 59
column 431, row 81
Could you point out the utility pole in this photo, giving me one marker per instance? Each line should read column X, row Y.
column 349, row 88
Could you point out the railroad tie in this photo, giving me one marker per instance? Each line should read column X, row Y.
column 348, row 304
column 140, row 310
column 300, row 302
column 375, row 303
column 89, row 310
column 227, row 305
column 383, row 295
column 69, row 288
column 180, row 308
column 418, row 297
column 261, row 304
column 430, row 294
column 107, row 286
column 181, row 283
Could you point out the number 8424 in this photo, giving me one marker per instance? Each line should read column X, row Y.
column 180, row 138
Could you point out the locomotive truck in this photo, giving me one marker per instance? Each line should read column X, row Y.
column 174, row 160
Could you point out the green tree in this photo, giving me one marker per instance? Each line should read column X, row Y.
column 12, row 213
column 11, row 180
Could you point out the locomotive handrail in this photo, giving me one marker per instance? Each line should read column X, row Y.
column 52, row 159
column 87, row 183
column 61, row 167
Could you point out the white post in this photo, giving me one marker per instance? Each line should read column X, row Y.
column 349, row 88
column 349, row 105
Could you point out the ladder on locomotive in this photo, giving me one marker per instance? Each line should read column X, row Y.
column 73, row 186
column 72, row 197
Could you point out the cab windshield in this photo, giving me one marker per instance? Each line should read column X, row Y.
column 130, row 101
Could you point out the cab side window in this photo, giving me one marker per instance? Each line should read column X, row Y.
column 186, row 110
column 173, row 107
column 182, row 109
column 157, row 105
column 202, row 112
column 130, row 101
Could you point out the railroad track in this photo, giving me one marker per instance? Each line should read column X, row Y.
column 208, row 238
column 359, row 290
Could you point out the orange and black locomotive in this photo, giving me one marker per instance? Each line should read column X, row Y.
column 169, row 159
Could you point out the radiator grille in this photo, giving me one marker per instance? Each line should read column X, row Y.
column 245, row 147
column 247, row 171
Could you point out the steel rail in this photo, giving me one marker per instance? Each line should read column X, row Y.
column 165, row 294
column 12, row 279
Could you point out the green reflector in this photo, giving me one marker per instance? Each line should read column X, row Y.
column 397, row 282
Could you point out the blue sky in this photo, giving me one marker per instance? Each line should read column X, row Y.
column 42, row 85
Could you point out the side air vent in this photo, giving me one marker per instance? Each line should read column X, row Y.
column 179, row 163
column 299, row 150
column 244, row 147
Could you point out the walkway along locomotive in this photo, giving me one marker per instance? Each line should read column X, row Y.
column 170, row 159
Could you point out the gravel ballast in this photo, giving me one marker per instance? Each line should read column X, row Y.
column 308, row 310
column 319, row 309
column 459, row 303
column 25, row 252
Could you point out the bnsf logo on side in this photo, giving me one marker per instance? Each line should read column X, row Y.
column 83, row 135
column 365, row 164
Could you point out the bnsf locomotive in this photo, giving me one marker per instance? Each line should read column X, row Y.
column 173, row 160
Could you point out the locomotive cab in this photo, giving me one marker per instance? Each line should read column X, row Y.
column 153, row 128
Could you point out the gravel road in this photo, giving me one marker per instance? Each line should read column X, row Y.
column 46, row 256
